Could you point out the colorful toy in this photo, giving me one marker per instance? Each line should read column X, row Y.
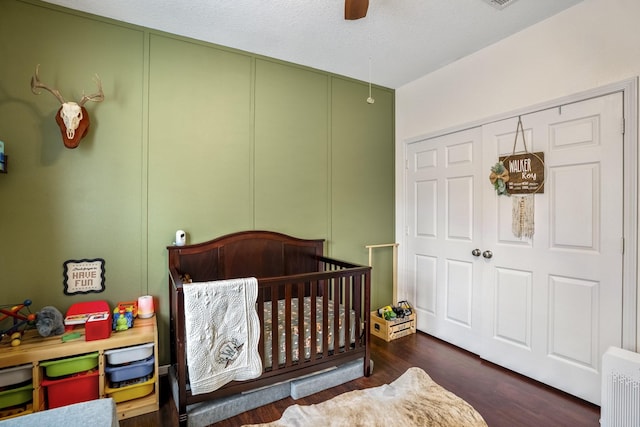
column 126, row 305
column 387, row 313
column 122, row 318
column 21, row 320
column 16, row 339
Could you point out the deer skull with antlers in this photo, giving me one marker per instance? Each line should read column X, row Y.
column 72, row 118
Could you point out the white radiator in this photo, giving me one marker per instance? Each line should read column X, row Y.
column 620, row 405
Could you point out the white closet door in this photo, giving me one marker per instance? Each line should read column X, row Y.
column 444, row 221
column 547, row 307
column 553, row 303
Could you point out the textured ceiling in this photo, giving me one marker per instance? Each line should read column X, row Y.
column 401, row 39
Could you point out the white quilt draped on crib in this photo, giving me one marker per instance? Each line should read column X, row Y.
column 222, row 333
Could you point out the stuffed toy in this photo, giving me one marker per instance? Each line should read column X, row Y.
column 49, row 321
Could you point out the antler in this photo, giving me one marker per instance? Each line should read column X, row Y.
column 95, row 97
column 37, row 84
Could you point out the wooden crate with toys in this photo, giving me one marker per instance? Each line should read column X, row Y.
column 390, row 328
column 390, row 323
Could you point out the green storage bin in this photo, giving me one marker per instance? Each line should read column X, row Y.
column 16, row 396
column 70, row 365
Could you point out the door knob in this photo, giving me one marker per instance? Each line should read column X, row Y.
column 487, row 254
column 475, row 252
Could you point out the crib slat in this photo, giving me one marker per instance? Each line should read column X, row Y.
column 275, row 336
column 325, row 319
column 301, row 322
column 337, row 285
column 313, row 326
column 357, row 306
column 287, row 325
column 347, row 312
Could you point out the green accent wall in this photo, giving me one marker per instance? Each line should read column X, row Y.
column 291, row 150
column 190, row 136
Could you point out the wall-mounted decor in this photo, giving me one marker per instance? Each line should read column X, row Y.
column 520, row 175
column 72, row 118
column 499, row 177
column 526, row 173
column 84, row 276
column 3, row 159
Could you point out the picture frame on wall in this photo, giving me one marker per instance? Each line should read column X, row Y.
column 84, row 276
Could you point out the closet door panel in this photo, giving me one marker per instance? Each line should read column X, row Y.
column 444, row 229
column 573, row 259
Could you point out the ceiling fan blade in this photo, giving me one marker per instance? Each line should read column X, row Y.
column 355, row 9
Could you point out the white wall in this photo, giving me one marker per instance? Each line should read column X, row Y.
column 590, row 45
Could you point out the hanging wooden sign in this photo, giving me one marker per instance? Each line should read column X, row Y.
column 526, row 173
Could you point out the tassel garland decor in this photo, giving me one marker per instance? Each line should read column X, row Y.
column 522, row 212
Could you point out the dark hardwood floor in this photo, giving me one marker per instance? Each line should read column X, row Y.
column 504, row 398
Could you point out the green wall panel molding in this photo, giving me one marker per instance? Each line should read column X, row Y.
column 291, row 140
column 363, row 180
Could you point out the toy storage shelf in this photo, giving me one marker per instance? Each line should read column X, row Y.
column 35, row 349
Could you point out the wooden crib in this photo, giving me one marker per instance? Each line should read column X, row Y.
column 287, row 268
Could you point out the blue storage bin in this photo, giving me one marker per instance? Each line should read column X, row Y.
column 131, row 370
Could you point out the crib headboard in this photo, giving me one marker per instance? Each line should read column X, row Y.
column 253, row 253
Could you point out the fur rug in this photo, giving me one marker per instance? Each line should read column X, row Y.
column 414, row 399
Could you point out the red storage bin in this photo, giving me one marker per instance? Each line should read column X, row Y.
column 73, row 389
